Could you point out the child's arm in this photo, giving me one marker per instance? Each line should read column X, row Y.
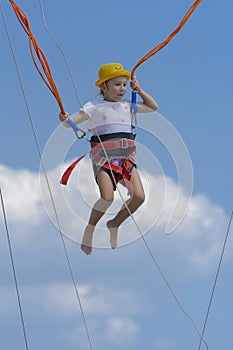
column 148, row 104
column 77, row 118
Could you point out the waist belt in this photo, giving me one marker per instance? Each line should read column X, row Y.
column 107, row 150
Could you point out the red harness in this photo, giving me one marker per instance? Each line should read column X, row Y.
column 102, row 154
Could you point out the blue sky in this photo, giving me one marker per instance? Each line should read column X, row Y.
column 125, row 300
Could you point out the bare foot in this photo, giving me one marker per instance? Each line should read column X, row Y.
column 86, row 245
column 113, row 234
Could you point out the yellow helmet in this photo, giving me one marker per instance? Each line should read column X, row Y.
column 110, row 71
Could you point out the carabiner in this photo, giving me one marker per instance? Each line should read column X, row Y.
column 80, row 134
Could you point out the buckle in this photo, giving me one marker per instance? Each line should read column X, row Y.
column 124, row 143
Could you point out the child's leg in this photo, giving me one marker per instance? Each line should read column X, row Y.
column 136, row 200
column 106, row 197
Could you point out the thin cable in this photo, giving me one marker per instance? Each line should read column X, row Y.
column 171, row 289
column 47, row 180
column 216, row 279
column 14, row 272
column 61, row 52
column 119, row 192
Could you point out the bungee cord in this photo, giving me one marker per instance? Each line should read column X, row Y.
column 157, row 48
column 14, row 272
column 45, row 72
column 160, row 46
column 47, row 181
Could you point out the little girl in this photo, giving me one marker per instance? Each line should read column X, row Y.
column 110, row 123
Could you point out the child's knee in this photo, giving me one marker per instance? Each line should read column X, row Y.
column 107, row 199
column 103, row 203
column 139, row 198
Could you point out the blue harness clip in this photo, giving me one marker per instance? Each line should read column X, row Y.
column 78, row 132
column 133, row 110
column 133, row 106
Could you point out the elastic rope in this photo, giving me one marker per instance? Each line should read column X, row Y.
column 216, row 279
column 119, row 192
column 45, row 73
column 160, row 46
column 47, row 182
column 14, row 271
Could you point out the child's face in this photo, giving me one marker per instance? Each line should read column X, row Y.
column 115, row 89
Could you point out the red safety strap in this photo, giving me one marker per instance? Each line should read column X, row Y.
column 67, row 173
column 122, row 172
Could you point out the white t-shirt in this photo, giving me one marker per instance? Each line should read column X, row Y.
column 108, row 117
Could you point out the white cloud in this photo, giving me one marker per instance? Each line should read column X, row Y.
column 202, row 233
column 21, row 193
column 197, row 241
column 60, row 299
column 121, row 330
column 194, row 246
column 110, row 312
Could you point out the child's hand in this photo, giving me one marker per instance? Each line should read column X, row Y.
column 134, row 84
column 63, row 117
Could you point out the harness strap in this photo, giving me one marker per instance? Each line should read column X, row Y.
column 122, row 143
column 122, row 171
column 123, row 148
